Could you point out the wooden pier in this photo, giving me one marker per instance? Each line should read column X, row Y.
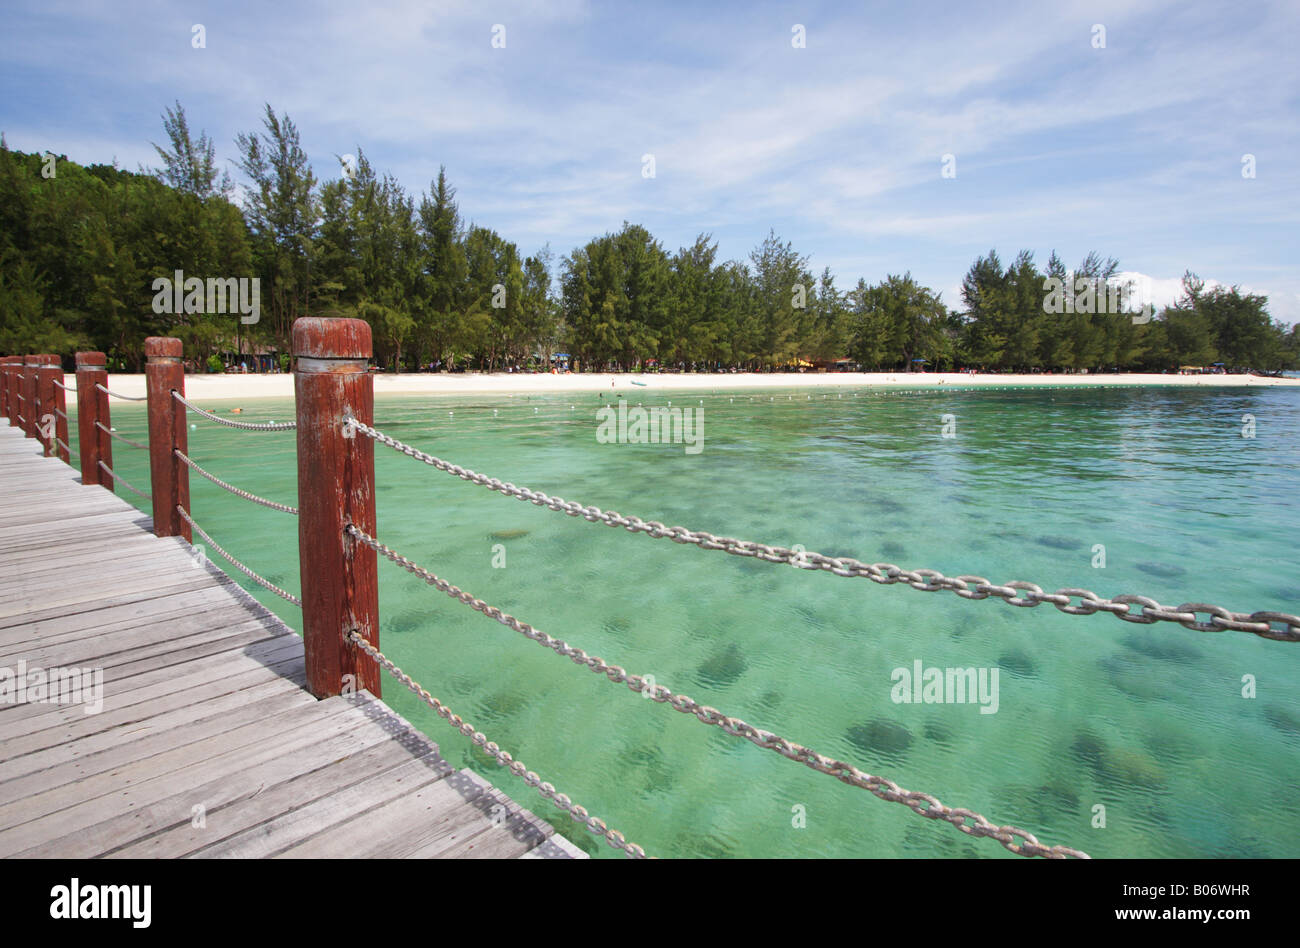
column 208, row 743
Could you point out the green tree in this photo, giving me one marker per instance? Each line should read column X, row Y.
column 282, row 211
column 190, row 166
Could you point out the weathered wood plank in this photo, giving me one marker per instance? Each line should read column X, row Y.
column 274, row 657
column 125, row 723
column 194, row 724
column 371, row 751
column 204, row 705
column 100, row 796
column 321, row 816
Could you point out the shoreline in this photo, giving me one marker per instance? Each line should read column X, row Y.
column 253, row 387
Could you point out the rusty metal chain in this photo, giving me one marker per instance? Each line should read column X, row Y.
column 234, row 490
column 923, row 804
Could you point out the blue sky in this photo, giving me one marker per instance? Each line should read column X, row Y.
column 1134, row 150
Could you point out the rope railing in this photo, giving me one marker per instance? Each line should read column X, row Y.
column 503, row 758
column 1014, row 593
column 112, row 433
column 242, row 425
column 118, row 479
column 265, row 583
column 59, row 384
column 881, row 787
column 64, row 445
column 189, row 462
column 125, row 398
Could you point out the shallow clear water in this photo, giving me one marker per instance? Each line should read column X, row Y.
column 1148, row 721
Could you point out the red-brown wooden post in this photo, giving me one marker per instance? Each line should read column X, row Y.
column 9, row 384
column 13, row 374
column 16, row 391
column 93, row 444
column 48, row 369
column 163, row 374
column 4, row 388
column 61, row 413
column 336, row 474
column 28, row 403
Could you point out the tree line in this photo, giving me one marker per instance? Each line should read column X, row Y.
column 80, row 248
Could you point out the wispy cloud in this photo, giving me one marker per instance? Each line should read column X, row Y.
column 1133, row 149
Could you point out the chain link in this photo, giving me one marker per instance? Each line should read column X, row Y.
column 118, row 479
column 1015, row 593
column 265, row 583
column 234, row 490
column 242, row 425
column 125, row 398
column 113, row 434
column 503, row 758
column 883, row 788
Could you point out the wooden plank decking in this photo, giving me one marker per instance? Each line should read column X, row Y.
column 207, row 743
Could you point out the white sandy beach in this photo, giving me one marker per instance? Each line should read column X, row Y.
column 205, row 388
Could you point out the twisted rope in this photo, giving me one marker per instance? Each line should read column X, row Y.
column 242, row 425
column 125, row 398
column 923, row 804
column 118, row 479
column 265, row 583
column 234, row 490
column 1014, row 593
column 113, row 434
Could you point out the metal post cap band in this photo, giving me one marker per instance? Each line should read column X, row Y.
column 311, row 365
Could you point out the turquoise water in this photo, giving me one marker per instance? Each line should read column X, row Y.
column 1147, row 721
